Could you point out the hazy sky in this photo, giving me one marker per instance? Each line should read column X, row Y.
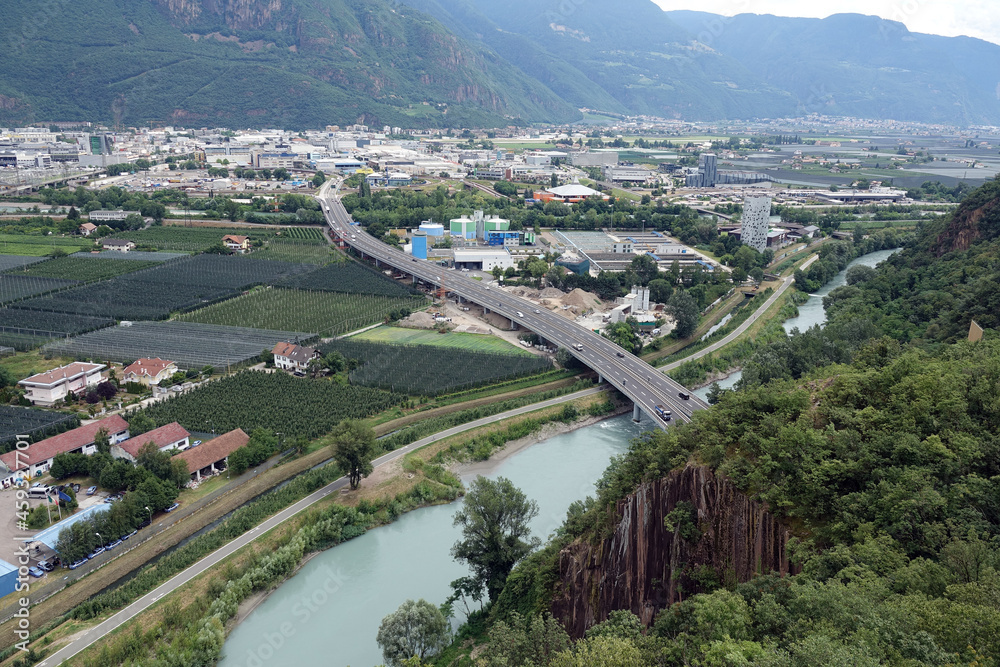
column 976, row 18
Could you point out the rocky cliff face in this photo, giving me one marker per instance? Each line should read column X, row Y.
column 715, row 530
column 977, row 219
column 237, row 14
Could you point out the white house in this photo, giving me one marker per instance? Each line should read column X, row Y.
column 37, row 458
column 292, row 357
column 170, row 436
column 49, row 388
column 149, row 371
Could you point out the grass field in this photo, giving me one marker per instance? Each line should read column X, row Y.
column 39, row 246
column 324, row 313
column 464, row 341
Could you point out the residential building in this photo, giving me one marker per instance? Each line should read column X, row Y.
column 275, row 160
column 87, row 228
column 37, row 458
column 213, row 456
column 48, row 388
column 293, row 357
column 117, row 244
column 240, row 244
column 149, row 371
column 167, row 437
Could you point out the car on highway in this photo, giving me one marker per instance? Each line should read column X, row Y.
column 36, row 572
column 620, row 354
column 685, row 396
column 537, row 312
column 519, row 313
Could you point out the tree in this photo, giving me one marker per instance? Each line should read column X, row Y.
column 495, row 533
column 140, row 423
column 660, row 290
column 645, row 269
column 354, row 448
column 280, row 174
column 684, row 310
column 417, row 629
column 73, row 214
column 102, row 441
column 319, row 179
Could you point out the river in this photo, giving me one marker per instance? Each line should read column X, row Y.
column 333, row 606
column 811, row 312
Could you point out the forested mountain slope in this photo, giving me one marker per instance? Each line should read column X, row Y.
column 288, row 63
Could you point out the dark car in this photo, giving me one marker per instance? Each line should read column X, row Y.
column 684, row 395
column 620, row 354
column 145, row 522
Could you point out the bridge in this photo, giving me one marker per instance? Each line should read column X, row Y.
column 633, row 377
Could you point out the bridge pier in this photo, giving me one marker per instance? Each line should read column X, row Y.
column 600, row 379
column 513, row 324
column 636, row 413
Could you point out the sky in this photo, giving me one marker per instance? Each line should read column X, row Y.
column 975, row 18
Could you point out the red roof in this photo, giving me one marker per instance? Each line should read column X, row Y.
column 64, row 442
column 213, row 450
column 234, row 238
column 161, row 437
column 148, row 367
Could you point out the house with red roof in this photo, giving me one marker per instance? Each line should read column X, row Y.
column 236, row 243
column 168, row 437
column 50, row 387
column 37, row 458
column 292, row 357
column 149, row 371
column 213, row 456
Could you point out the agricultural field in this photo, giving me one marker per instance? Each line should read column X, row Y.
column 192, row 345
column 189, row 239
column 37, row 322
column 83, row 270
column 303, row 233
column 38, row 424
column 296, row 407
column 40, row 246
column 130, row 256
column 8, row 262
column 349, row 277
column 295, row 250
column 14, row 287
column 324, row 313
column 178, row 285
column 463, row 341
column 428, row 370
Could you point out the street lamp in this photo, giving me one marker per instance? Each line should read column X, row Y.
column 150, row 515
column 100, row 538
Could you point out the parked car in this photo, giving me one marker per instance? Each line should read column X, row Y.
column 36, row 572
column 76, row 488
column 78, row 563
column 113, row 545
column 125, row 537
column 96, row 552
column 92, row 490
column 196, row 443
column 172, row 507
column 145, row 522
column 46, row 565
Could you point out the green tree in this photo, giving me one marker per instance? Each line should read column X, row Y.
column 354, row 448
column 495, row 533
column 684, row 310
column 319, row 179
column 645, row 269
column 102, row 441
column 660, row 290
column 417, row 629
column 140, row 423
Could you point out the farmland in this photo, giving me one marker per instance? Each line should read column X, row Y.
column 295, row 250
column 428, row 370
column 190, row 344
column 178, row 285
column 39, row 246
column 130, row 256
column 463, row 341
column 303, row 233
column 14, row 287
column 324, row 313
column 38, row 424
column 8, row 262
column 84, row 270
column 44, row 323
column 349, row 277
column 296, row 407
column 189, row 239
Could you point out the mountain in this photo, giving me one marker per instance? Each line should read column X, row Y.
column 625, row 57
column 849, row 64
column 288, row 63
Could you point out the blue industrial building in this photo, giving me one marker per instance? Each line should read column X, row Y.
column 8, row 578
column 503, row 237
column 420, row 245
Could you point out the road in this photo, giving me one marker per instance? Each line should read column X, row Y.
column 757, row 314
column 219, row 555
column 627, row 373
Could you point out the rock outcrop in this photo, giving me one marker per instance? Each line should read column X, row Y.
column 715, row 531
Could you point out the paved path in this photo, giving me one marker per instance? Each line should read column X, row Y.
column 217, row 556
column 786, row 283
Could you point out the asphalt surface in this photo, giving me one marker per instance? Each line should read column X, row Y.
column 632, row 376
column 219, row 555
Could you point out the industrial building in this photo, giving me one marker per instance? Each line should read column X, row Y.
column 482, row 259
column 8, row 578
column 709, row 175
column 626, row 173
column 593, row 159
column 418, row 244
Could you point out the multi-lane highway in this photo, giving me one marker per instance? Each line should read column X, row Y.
column 632, row 376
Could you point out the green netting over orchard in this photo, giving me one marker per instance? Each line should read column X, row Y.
column 37, row 424
column 349, row 277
